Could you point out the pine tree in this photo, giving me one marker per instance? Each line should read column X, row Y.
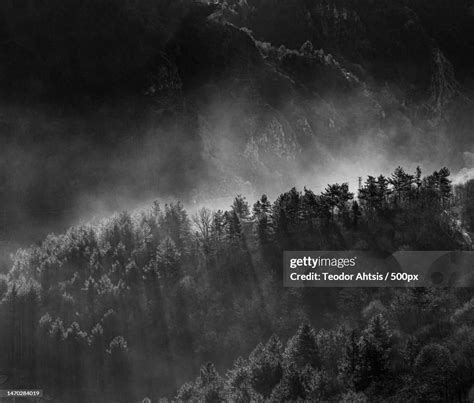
column 401, row 182
column 383, row 191
column 369, row 194
column 445, row 186
column 265, row 367
column 337, row 196
column 302, row 348
column 209, row 386
column 238, row 380
column 233, row 226
column 262, row 216
column 241, row 207
column 375, row 350
column 168, row 261
column 175, row 224
column 287, row 215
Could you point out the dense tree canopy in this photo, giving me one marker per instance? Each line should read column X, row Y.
column 130, row 307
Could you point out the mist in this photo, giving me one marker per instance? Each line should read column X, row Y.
column 212, row 120
column 108, row 107
column 64, row 166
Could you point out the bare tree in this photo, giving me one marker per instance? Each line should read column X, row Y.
column 203, row 221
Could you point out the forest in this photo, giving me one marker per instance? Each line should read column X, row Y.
column 160, row 303
column 107, row 105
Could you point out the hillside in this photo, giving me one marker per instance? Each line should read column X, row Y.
column 132, row 306
column 112, row 106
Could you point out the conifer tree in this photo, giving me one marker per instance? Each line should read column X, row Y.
column 302, row 348
column 168, row 261
column 375, row 350
column 401, row 182
column 241, row 207
column 265, row 367
column 262, row 215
